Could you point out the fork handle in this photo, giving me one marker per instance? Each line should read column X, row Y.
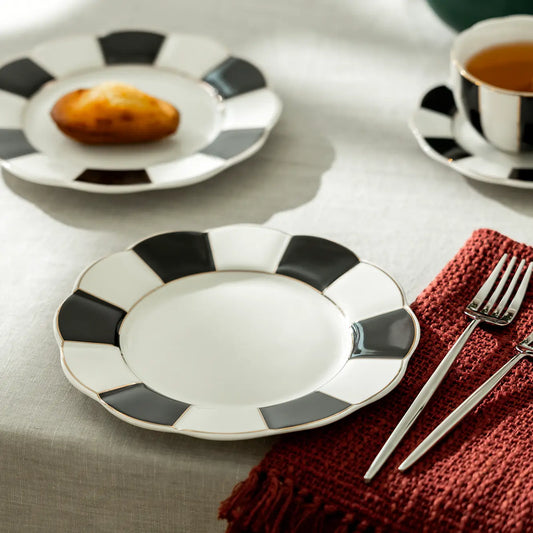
column 420, row 401
column 460, row 412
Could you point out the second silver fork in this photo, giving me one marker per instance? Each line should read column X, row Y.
column 524, row 349
column 482, row 308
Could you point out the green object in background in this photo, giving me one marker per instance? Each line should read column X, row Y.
column 460, row 14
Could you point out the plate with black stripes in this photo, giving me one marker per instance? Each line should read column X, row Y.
column 234, row 333
column 226, row 110
column 446, row 136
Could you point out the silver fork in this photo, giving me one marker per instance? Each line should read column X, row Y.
column 480, row 309
column 524, row 349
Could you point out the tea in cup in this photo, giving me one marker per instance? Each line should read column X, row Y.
column 492, row 80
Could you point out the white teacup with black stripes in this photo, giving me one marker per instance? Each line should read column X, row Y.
column 502, row 117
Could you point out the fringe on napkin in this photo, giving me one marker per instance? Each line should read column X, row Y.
column 269, row 498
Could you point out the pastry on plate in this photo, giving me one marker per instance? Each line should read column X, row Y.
column 114, row 113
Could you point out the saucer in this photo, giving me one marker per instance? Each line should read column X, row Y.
column 226, row 108
column 446, row 136
column 234, row 333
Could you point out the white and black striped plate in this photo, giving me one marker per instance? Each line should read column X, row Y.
column 235, row 333
column 227, row 111
column 446, row 136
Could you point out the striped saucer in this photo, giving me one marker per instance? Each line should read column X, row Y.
column 446, row 136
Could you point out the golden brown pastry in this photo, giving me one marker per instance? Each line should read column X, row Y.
column 113, row 113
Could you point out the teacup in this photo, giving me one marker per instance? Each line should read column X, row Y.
column 503, row 117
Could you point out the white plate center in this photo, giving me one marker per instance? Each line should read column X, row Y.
column 200, row 109
column 235, row 338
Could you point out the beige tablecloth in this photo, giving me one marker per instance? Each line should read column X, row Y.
column 341, row 164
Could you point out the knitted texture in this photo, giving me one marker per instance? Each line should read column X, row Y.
column 479, row 478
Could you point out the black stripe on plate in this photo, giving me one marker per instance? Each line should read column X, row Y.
column 314, row 406
column 85, row 318
column 470, row 96
column 23, row 77
column 447, row 147
column 131, row 47
column 526, row 123
column 178, row 254
column 522, row 174
column 114, row 177
column 316, row 261
column 230, row 143
column 13, row 143
column 142, row 403
column 390, row 335
column 235, row 76
column 440, row 99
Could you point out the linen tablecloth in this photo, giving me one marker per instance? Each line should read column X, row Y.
column 341, row 164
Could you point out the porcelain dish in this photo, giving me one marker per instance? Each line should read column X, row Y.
column 238, row 332
column 227, row 111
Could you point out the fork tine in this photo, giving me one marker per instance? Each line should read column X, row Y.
column 479, row 298
column 499, row 288
column 520, row 293
column 510, row 289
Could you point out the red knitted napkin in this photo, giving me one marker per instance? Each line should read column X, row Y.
column 479, row 478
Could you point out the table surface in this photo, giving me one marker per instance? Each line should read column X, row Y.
column 341, row 164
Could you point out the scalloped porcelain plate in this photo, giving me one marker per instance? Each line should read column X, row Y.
column 227, row 111
column 235, row 333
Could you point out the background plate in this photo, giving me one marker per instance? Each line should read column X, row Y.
column 226, row 108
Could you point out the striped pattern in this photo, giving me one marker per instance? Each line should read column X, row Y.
column 89, row 321
column 389, row 335
column 316, row 261
column 13, row 143
column 526, row 123
column 86, row 318
column 131, row 47
column 232, row 78
column 114, row 177
column 470, row 92
column 235, row 76
column 303, row 410
column 432, row 125
column 23, row 77
column 440, row 99
column 174, row 255
column 140, row 402
column 521, row 174
column 231, row 143
column 448, row 148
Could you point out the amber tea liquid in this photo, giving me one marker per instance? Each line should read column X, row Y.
column 508, row 66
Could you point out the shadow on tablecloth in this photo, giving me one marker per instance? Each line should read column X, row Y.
column 285, row 174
